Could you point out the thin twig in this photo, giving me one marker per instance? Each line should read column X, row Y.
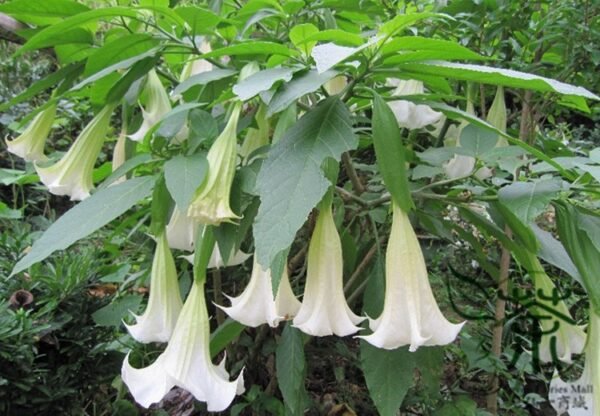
column 351, row 172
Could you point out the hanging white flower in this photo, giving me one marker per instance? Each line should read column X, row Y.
column 30, row 144
column 164, row 304
column 410, row 315
column 211, row 201
column 256, row 304
column 286, row 303
column 197, row 66
column 185, row 363
column 157, row 105
column 216, row 260
column 182, row 231
column 569, row 338
column 72, row 175
column 324, row 310
column 408, row 114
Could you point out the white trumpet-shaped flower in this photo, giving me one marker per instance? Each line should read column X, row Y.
column 157, row 105
column 216, row 260
column 257, row 305
column 197, row 66
column 211, row 200
column 286, row 303
column 336, row 85
column 72, row 175
column 158, row 321
column 408, row 114
column 185, row 363
column 569, row 338
column 256, row 138
column 182, row 231
column 324, row 310
column 580, row 397
column 410, row 315
column 459, row 165
column 30, row 144
column 119, row 156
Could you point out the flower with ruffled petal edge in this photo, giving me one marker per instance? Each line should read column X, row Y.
column 410, row 315
column 408, row 114
column 72, row 175
column 157, row 105
column 158, row 321
column 255, row 305
column 197, row 66
column 211, row 201
column 30, row 144
column 216, row 260
column 589, row 382
column 185, row 363
column 570, row 339
column 324, row 310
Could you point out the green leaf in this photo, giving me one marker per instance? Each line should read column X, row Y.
column 251, row 48
column 494, row 76
column 578, row 229
column 201, row 21
column 110, row 70
column 8, row 213
column 390, row 153
column 125, row 168
column 303, row 84
column 461, row 406
column 86, row 217
column 291, row 181
column 118, row 50
column 137, row 71
column 520, row 229
column 336, row 36
column 299, row 34
column 38, row 40
column 66, row 72
column 389, row 375
column 291, row 366
column 527, row 200
column 261, row 81
column 113, row 313
column 223, row 335
column 477, row 140
column 402, row 21
column 202, row 79
column 455, row 113
column 552, row 251
column 422, row 49
column 42, row 12
column 184, row 174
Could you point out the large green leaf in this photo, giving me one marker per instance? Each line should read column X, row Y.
column 418, row 48
column 402, row 21
column 291, row 181
column 494, row 76
column 328, row 55
column 184, row 174
column 223, row 335
column 39, row 40
column 261, row 81
column 203, row 78
column 201, row 21
column 42, row 12
column 578, row 230
column 477, row 140
column 86, row 217
column 552, row 251
column 389, row 375
column 291, row 367
column 118, row 50
column 251, row 48
column 527, row 200
column 390, row 153
column 303, row 84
